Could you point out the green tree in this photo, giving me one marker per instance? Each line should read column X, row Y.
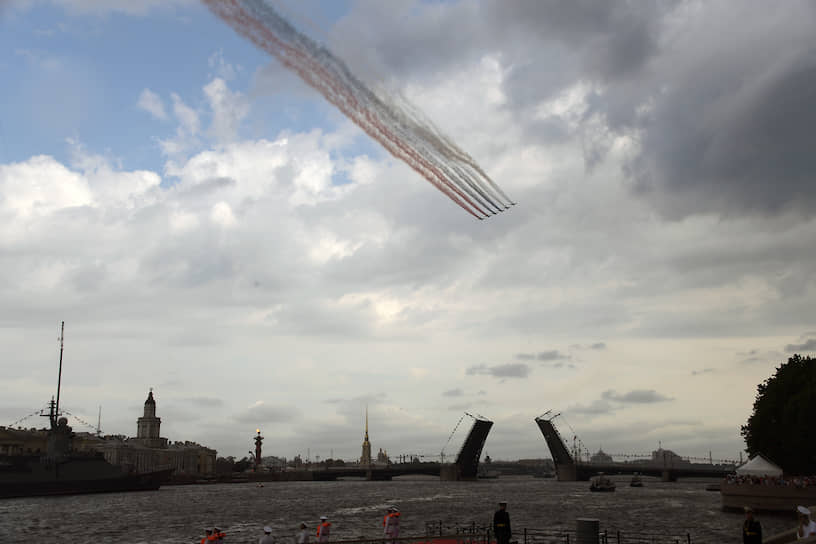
column 783, row 424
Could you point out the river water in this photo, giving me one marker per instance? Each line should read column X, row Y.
column 179, row 514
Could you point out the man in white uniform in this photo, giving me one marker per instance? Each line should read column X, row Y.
column 806, row 526
column 267, row 538
column 302, row 537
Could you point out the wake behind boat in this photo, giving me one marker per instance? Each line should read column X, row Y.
column 62, row 471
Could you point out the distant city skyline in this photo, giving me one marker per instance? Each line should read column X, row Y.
column 209, row 226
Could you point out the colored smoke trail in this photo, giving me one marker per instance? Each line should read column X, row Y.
column 396, row 125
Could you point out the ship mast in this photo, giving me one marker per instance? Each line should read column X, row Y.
column 59, row 376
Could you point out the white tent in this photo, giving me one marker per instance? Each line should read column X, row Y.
column 759, row 466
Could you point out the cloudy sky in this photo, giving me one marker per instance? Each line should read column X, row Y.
column 209, row 226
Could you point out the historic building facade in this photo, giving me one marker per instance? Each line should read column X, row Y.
column 146, row 452
column 149, row 451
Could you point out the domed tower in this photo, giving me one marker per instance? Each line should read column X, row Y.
column 148, row 427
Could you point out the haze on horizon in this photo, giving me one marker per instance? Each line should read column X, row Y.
column 209, row 226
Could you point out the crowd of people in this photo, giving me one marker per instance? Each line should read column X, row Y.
column 390, row 523
column 796, row 481
column 323, row 532
column 213, row 536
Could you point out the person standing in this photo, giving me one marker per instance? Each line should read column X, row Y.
column 751, row 529
column 391, row 524
column 324, row 529
column 806, row 527
column 208, row 538
column 302, row 537
column 501, row 524
column 267, row 538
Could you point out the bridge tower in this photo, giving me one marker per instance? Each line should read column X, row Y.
column 565, row 466
column 466, row 466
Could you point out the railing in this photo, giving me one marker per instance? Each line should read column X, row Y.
column 474, row 533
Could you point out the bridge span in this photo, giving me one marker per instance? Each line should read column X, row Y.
column 466, row 466
column 568, row 468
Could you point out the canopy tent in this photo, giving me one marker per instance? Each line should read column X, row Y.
column 759, row 466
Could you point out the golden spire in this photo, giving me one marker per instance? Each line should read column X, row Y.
column 366, row 432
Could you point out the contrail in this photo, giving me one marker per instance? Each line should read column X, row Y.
column 395, row 124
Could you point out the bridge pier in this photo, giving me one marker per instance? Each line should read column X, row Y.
column 453, row 473
column 668, row 476
column 566, row 473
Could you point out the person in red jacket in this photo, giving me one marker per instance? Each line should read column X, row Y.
column 324, row 529
column 391, row 524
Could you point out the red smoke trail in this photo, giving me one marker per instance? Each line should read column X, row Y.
column 341, row 93
column 247, row 25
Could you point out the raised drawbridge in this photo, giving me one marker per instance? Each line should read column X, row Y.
column 466, row 466
column 571, row 465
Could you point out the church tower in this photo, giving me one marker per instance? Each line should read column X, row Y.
column 148, row 426
column 365, row 458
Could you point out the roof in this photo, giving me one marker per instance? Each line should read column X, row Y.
column 759, row 466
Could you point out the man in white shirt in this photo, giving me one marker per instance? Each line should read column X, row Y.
column 806, row 526
column 302, row 537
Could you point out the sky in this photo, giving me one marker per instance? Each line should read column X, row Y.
column 209, row 226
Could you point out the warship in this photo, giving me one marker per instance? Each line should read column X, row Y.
column 63, row 471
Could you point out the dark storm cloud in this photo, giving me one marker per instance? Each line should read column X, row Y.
column 636, row 396
column 808, row 345
column 510, row 370
column 549, row 355
column 752, row 153
column 453, row 393
column 722, row 122
column 611, row 401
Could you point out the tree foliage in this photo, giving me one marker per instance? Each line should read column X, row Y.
column 782, row 426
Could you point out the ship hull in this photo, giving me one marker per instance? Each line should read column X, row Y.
column 135, row 482
column 30, row 476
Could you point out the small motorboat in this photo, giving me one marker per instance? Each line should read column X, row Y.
column 602, row 482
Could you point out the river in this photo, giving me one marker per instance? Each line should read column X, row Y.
column 179, row 514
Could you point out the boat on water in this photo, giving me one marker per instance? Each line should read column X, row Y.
column 636, row 481
column 62, row 471
column 601, row 482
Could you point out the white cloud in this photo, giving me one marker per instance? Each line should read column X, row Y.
column 187, row 116
column 152, row 104
column 228, row 110
column 222, row 215
column 41, row 186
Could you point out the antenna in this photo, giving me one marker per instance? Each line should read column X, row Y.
column 59, row 377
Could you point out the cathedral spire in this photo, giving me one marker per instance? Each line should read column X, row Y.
column 365, row 458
